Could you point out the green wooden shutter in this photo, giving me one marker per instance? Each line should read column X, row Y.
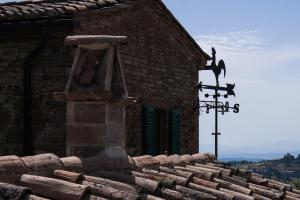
column 149, row 143
column 175, row 124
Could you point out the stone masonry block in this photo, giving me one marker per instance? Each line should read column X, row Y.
column 115, row 135
column 90, row 113
column 85, row 151
column 115, row 113
column 70, row 116
column 85, row 134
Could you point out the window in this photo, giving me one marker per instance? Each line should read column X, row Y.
column 161, row 131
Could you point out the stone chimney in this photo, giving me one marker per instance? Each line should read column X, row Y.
column 95, row 94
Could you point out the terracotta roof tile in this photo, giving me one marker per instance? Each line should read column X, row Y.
column 164, row 160
column 144, row 177
column 146, row 161
column 8, row 191
column 188, row 158
column 49, row 8
column 177, row 160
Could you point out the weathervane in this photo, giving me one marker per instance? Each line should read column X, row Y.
column 215, row 104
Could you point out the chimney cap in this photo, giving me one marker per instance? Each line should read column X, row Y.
column 95, row 40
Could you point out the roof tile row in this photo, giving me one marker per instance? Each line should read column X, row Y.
column 50, row 8
column 197, row 176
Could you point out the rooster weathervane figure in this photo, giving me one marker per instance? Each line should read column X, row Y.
column 217, row 69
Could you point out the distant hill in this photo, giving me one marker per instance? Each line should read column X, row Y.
column 267, row 151
column 250, row 159
column 285, row 169
column 256, row 157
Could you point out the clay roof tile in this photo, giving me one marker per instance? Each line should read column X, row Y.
column 34, row 9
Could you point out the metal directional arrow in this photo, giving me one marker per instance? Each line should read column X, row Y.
column 228, row 89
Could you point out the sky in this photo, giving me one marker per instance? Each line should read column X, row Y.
column 260, row 44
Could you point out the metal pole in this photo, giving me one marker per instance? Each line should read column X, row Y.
column 216, row 121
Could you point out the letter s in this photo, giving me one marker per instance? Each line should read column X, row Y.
column 236, row 108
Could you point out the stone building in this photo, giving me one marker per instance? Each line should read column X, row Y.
column 161, row 64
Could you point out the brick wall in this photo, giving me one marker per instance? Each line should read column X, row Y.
column 11, row 104
column 159, row 68
column 49, row 73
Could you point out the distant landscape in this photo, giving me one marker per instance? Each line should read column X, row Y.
column 285, row 169
column 255, row 153
column 278, row 160
column 255, row 157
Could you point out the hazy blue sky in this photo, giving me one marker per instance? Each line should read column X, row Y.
column 260, row 43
